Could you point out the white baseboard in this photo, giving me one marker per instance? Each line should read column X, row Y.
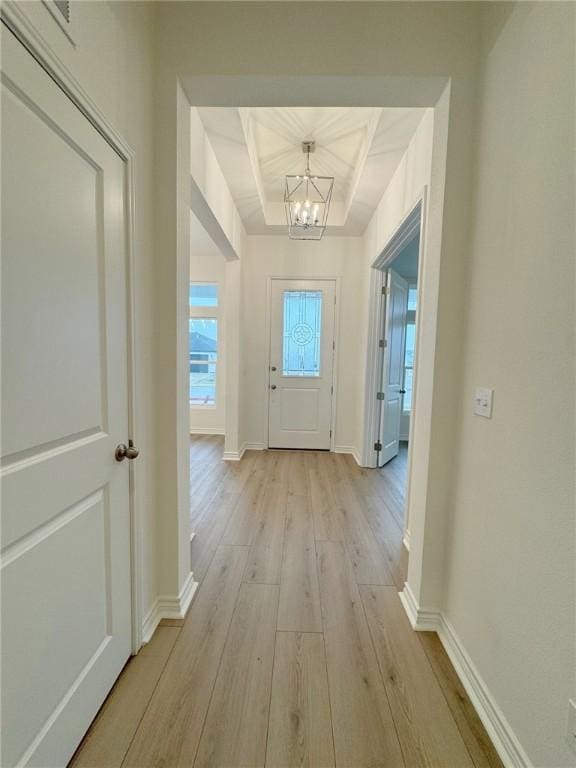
column 169, row 607
column 351, row 450
column 237, row 455
column 406, row 540
column 151, row 621
column 503, row 737
column 207, row 431
column 498, row 728
column 421, row 619
column 234, row 455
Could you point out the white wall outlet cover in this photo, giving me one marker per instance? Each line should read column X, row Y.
column 483, row 402
column 571, row 733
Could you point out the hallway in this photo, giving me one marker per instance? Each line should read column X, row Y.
column 296, row 650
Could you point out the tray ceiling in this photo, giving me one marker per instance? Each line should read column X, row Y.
column 257, row 147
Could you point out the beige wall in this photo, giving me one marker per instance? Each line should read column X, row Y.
column 500, row 507
column 511, row 559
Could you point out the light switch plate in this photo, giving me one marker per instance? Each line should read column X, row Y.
column 571, row 733
column 483, row 402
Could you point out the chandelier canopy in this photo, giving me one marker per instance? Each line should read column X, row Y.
column 307, row 201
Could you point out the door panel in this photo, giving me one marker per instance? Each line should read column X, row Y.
column 62, row 238
column 300, row 409
column 393, row 368
column 301, row 363
column 65, row 555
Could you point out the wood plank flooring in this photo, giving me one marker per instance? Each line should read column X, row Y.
column 296, row 650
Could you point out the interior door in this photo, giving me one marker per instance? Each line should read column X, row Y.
column 65, row 558
column 393, row 365
column 301, row 363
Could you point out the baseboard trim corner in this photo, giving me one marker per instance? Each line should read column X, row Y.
column 350, row 449
column 169, row 607
column 234, row 455
column 237, row 455
column 185, row 598
column 422, row 620
column 255, row 446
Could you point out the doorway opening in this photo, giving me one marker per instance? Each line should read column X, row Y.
column 255, row 257
column 397, row 354
column 391, row 391
column 207, row 356
column 206, row 333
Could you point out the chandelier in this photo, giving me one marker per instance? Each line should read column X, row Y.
column 307, row 201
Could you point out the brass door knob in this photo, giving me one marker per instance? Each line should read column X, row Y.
column 126, row 451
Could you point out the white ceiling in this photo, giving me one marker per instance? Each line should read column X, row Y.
column 360, row 146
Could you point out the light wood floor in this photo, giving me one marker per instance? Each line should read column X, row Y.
column 296, row 650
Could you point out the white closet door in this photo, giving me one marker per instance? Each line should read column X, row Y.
column 65, row 499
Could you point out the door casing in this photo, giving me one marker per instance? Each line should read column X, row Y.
column 413, row 220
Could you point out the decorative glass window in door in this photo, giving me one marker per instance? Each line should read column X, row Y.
column 302, row 333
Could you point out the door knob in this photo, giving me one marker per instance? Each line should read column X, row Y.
column 126, row 452
column 402, row 391
column 273, row 386
column 273, row 368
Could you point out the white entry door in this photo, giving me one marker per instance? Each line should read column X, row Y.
column 393, row 365
column 301, row 363
column 65, row 558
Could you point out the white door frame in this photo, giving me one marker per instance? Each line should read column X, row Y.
column 19, row 24
column 266, row 373
column 412, row 222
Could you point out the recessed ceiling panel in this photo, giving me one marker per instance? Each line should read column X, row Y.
column 360, row 147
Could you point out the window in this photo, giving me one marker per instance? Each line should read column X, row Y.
column 301, row 333
column 410, row 349
column 203, row 344
column 412, row 298
column 203, row 295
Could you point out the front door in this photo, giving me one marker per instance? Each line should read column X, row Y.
column 301, row 363
column 65, row 559
column 396, row 299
